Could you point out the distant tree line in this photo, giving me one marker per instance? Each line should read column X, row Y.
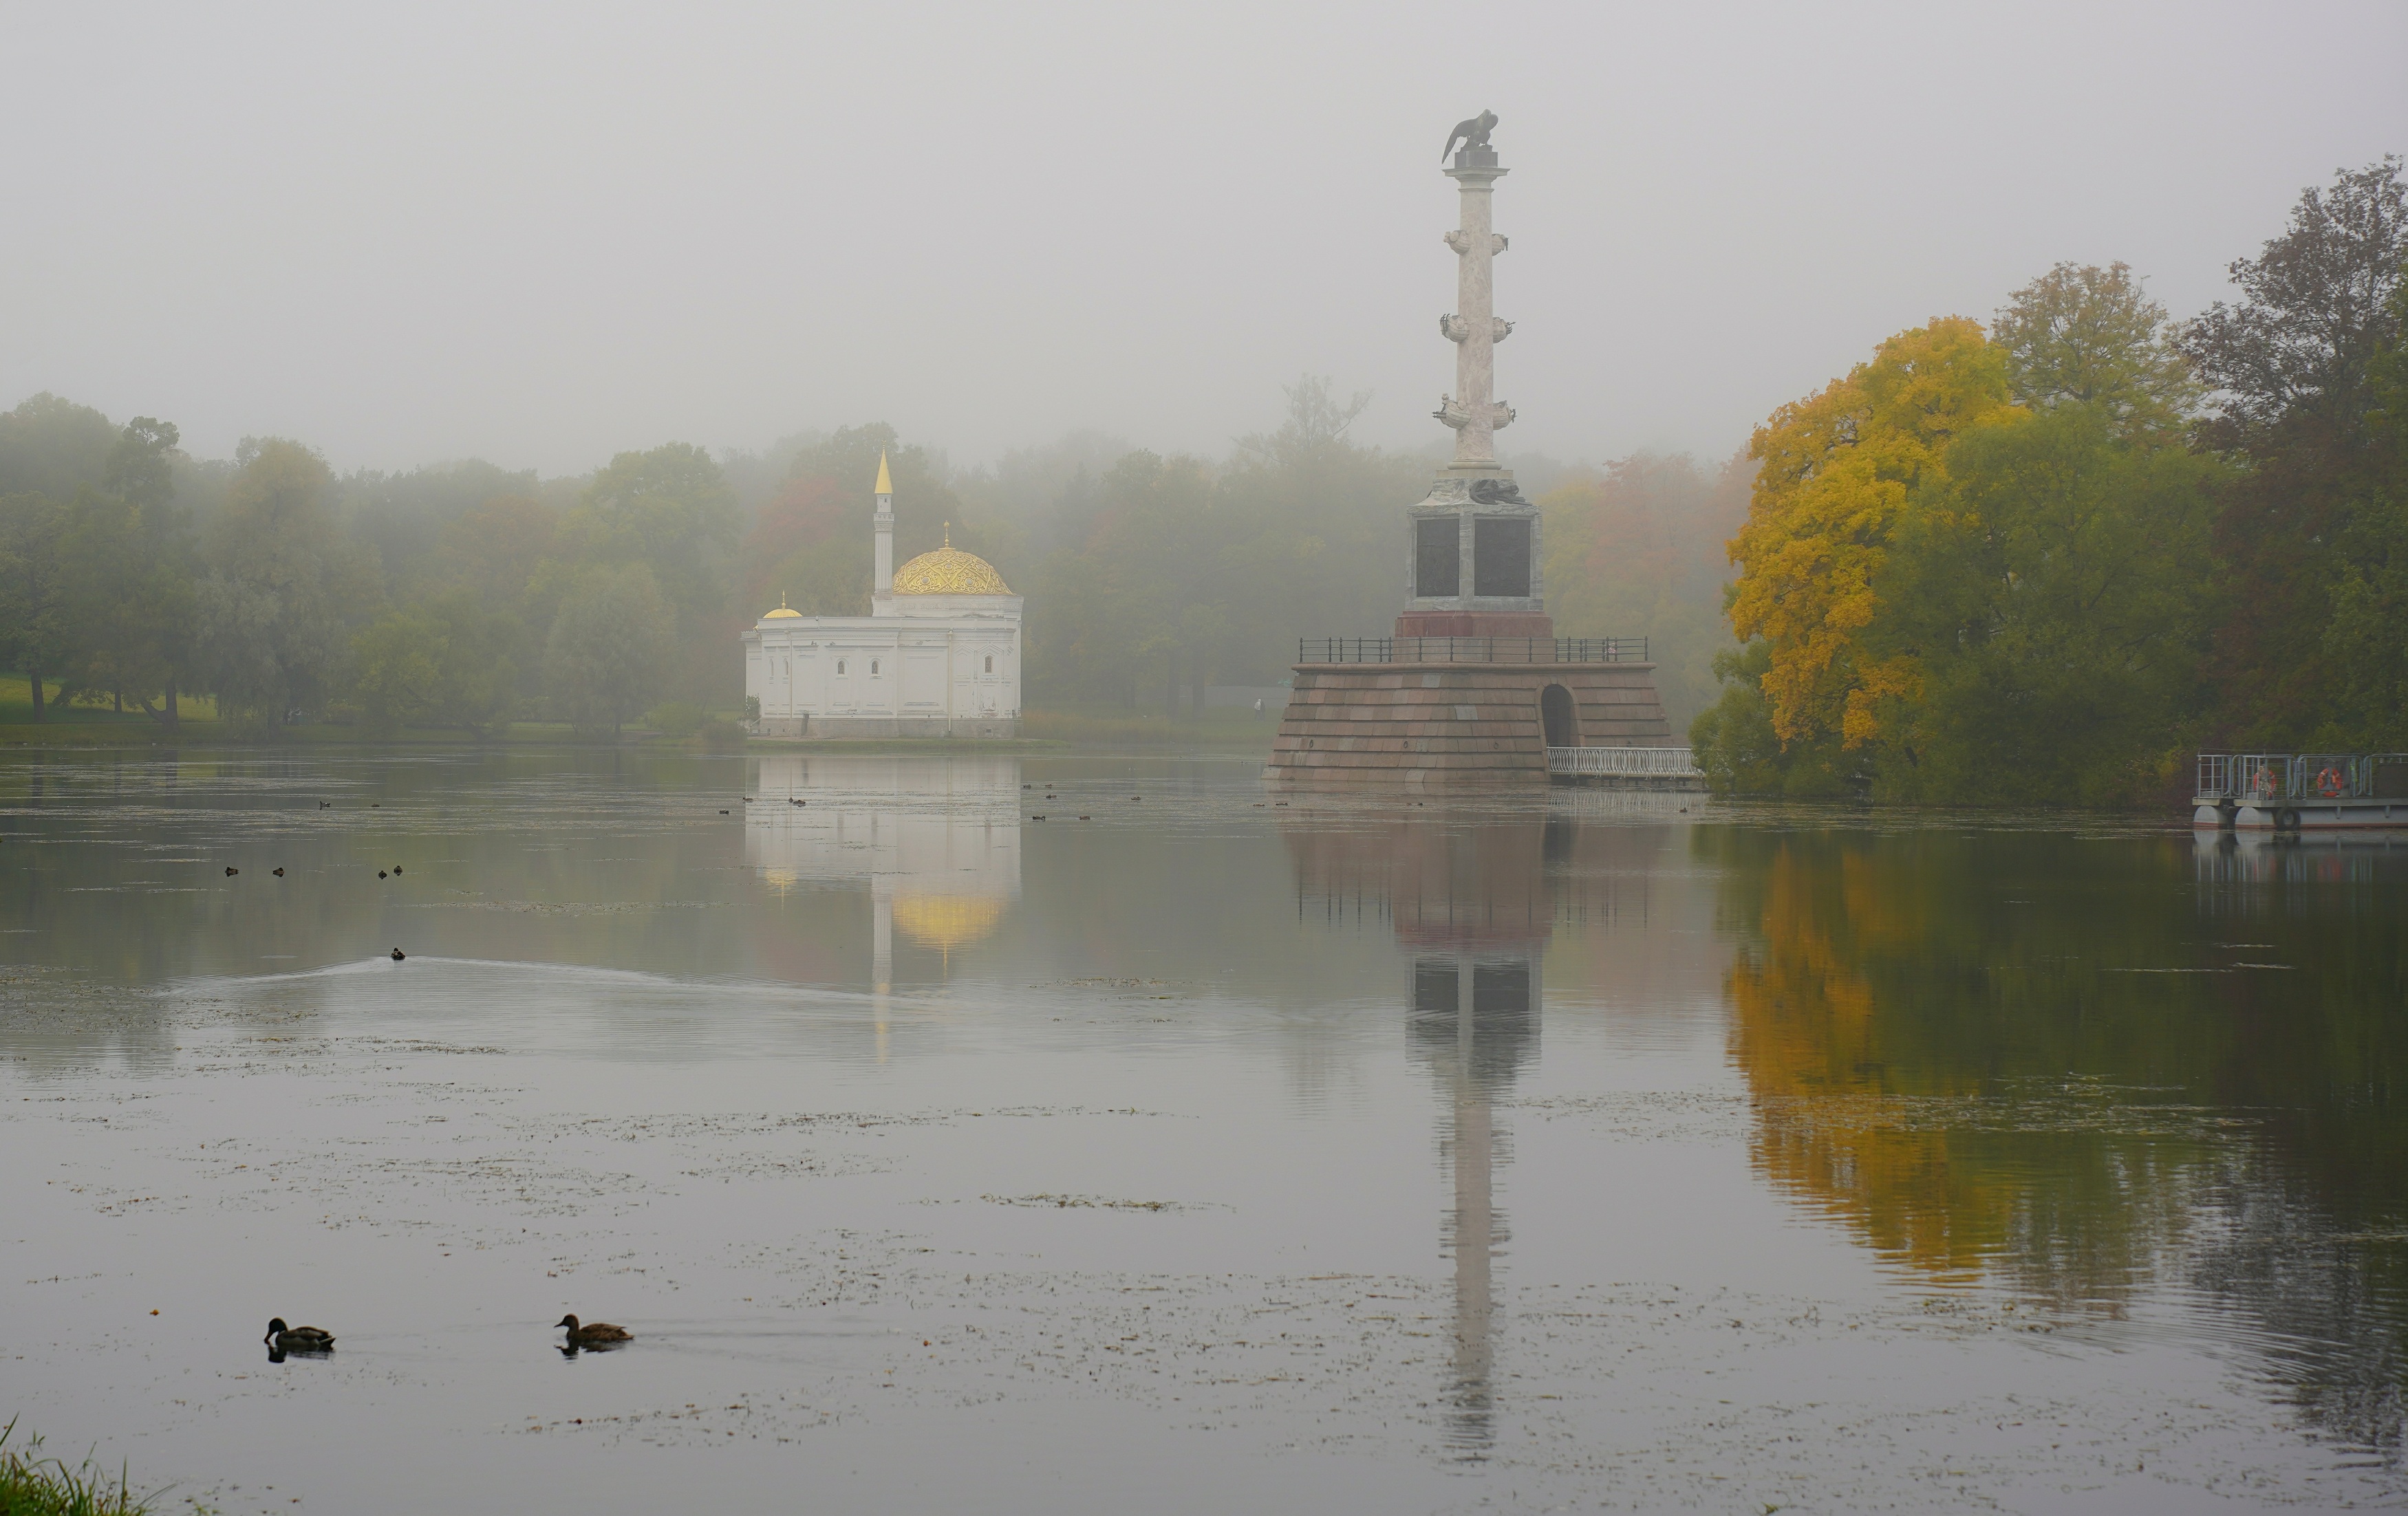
column 2049, row 560
column 463, row 597
column 2045, row 558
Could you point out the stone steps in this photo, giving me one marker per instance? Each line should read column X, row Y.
column 1452, row 725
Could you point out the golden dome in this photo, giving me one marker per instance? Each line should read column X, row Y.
column 781, row 611
column 946, row 921
column 949, row 571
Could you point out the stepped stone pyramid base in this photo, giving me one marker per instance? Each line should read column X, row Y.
column 1452, row 725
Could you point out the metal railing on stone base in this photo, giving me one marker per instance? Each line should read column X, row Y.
column 2244, row 777
column 1633, row 763
column 1471, row 650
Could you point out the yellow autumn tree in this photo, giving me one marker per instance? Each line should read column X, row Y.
column 1837, row 473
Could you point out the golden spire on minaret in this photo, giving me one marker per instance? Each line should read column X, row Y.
column 885, row 483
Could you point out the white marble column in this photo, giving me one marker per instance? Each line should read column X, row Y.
column 1473, row 409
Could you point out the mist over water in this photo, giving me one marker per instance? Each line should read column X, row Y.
column 410, row 926
column 1207, row 1152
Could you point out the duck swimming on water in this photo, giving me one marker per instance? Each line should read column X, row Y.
column 593, row 1334
column 297, row 1339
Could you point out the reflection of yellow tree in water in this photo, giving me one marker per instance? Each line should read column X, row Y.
column 1911, row 1077
column 1805, row 1034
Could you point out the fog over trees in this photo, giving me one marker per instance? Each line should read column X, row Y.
column 461, row 596
column 2049, row 553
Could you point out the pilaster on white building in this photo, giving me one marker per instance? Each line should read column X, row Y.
column 938, row 655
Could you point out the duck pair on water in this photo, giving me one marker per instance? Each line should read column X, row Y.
column 285, row 1339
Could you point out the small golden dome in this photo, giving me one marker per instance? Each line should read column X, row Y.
column 949, row 571
column 782, row 612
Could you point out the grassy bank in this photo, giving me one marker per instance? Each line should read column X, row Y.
column 95, row 725
column 17, row 708
column 210, row 733
column 32, row 1485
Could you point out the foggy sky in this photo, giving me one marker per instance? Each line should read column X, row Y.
column 541, row 234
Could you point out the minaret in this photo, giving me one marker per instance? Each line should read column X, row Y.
column 881, row 587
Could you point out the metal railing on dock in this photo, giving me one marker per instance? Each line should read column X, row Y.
column 1471, row 650
column 1631, row 762
column 2244, row 777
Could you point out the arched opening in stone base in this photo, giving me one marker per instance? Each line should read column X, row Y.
column 1556, row 710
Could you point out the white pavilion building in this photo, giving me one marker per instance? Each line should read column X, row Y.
column 938, row 655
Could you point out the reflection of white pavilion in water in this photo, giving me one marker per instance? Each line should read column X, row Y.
column 937, row 839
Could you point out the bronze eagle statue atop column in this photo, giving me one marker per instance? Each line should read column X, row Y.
column 1472, row 134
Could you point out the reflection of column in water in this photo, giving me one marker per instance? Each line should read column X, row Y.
column 1474, row 1016
column 1475, row 901
column 1474, row 1154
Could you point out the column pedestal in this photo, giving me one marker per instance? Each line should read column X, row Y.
column 1448, row 727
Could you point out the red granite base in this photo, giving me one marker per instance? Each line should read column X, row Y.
column 1532, row 623
column 1452, row 725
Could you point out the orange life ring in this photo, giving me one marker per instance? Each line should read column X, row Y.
column 2263, row 782
column 2328, row 782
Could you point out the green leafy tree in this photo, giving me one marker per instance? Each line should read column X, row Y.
column 1114, row 611
column 610, row 646
column 2084, row 336
column 1733, row 741
column 37, row 622
column 446, row 663
column 52, row 452
column 134, row 574
column 2293, row 369
column 672, row 511
column 494, row 548
column 280, row 588
column 669, row 509
column 1173, row 573
column 2013, row 570
column 53, row 446
column 402, row 518
column 1313, row 522
column 2057, row 587
column 2366, row 638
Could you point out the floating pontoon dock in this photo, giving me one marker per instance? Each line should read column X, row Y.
column 2290, row 792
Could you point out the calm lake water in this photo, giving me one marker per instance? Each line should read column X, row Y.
column 1189, row 1153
